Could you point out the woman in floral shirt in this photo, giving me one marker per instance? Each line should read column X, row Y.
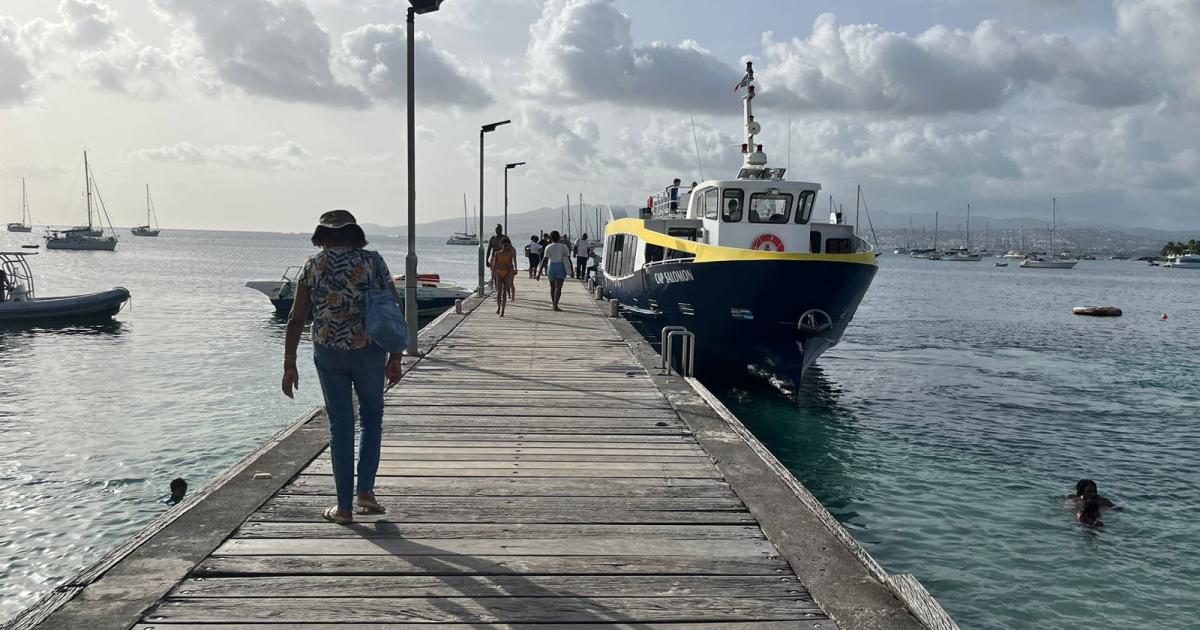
column 332, row 289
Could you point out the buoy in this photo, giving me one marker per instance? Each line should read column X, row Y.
column 1164, row 317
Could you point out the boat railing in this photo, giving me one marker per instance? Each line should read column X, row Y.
column 661, row 203
column 862, row 245
column 17, row 273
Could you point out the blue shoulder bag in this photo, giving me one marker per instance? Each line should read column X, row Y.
column 385, row 323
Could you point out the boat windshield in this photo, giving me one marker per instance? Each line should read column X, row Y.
column 770, row 207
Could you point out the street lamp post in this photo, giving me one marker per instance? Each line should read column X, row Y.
column 410, row 261
column 482, row 130
column 507, row 168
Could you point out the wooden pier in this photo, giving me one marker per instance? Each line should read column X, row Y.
column 536, row 474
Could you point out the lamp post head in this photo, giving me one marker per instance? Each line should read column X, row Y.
column 492, row 126
column 513, row 165
column 425, row 6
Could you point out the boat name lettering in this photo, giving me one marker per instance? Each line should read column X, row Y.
column 671, row 277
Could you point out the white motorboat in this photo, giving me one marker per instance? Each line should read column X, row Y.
column 433, row 295
column 961, row 254
column 89, row 237
column 1013, row 255
column 19, row 303
column 1183, row 261
column 151, row 227
column 26, row 224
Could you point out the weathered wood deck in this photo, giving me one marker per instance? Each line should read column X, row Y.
column 536, row 474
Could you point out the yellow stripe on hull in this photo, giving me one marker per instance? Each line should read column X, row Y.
column 715, row 253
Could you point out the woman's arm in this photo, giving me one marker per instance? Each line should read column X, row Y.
column 291, row 341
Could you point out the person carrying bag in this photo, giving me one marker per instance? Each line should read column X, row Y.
column 356, row 322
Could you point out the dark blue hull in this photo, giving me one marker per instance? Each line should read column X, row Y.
column 748, row 313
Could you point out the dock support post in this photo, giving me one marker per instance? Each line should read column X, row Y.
column 458, row 307
column 614, row 308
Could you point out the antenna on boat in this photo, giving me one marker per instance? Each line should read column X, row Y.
column 754, row 161
column 696, row 140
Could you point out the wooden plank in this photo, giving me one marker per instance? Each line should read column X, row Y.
column 619, row 444
column 531, row 437
column 705, row 473
column 686, row 625
column 686, row 466
column 401, row 512
column 467, row 451
column 493, row 586
column 539, row 457
column 561, row 487
column 534, row 502
column 482, row 609
column 381, row 528
column 483, row 564
column 566, row 546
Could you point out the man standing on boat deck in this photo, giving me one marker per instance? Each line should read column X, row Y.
column 675, row 194
column 582, row 251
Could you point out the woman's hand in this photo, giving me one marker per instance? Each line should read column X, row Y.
column 291, row 379
column 395, row 369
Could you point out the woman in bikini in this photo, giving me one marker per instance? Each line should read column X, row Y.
column 504, row 273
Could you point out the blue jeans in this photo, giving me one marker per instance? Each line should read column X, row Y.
column 340, row 372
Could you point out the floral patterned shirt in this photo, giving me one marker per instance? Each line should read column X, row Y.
column 338, row 280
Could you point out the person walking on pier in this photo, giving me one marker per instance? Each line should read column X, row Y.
column 557, row 263
column 332, row 288
column 533, row 251
column 504, row 270
column 582, row 249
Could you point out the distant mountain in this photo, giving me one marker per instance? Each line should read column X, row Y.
column 520, row 224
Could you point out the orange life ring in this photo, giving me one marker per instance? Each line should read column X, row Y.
column 768, row 242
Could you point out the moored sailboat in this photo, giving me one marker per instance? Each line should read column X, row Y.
column 1035, row 261
column 466, row 237
column 151, row 227
column 26, row 224
column 88, row 237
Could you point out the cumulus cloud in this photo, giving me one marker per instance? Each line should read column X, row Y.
column 376, row 53
column 272, row 48
column 286, row 155
column 582, row 50
column 16, row 70
column 863, row 67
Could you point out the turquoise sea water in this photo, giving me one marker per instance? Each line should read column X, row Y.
column 962, row 400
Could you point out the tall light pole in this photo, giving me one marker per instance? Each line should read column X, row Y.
column 507, row 168
column 482, row 130
column 410, row 261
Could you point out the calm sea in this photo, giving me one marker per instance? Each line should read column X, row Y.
column 963, row 400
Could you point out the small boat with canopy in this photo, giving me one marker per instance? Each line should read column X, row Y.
column 19, row 303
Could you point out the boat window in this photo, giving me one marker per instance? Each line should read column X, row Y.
column 688, row 233
column 804, row 206
column 711, row 205
column 613, row 255
column 675, row 254
column 654, row 253
column 629, row 256
column 838, row 246
column 731, row 204
column 814, row 242
column 768, row 208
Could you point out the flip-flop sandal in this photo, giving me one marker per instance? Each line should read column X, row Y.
column 331, row 515
column 370, row 506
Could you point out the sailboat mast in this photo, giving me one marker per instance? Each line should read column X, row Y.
column 581, row 228
column 857, row 196
column 935, row 229
column 1053, row 220
column 968, row 226
column 147, row 205
column 24, row 205
column 87, row 187
column 466, row 220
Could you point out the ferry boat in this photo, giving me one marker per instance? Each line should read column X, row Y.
column 741, row 264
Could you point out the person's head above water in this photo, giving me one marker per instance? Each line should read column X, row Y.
column 338, row 228
column 178, row 487
column 1085, row 488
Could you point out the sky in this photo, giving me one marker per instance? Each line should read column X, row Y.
column 261, row 114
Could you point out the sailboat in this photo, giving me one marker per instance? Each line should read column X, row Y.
column 964, row 254
column 26, row 224
column 931, row 253
column 147, row 230
column 90, row 236
column 466, row 237
column 1033, row 261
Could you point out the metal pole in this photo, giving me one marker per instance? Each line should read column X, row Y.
column 481, row 234
column 410, row 261
column 506, row 199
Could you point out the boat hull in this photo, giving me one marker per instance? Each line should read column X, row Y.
column 144, row 232
column 82, row 244
column 749, row 311
column 87, row 307
column 1048, row 264
column 17, row 227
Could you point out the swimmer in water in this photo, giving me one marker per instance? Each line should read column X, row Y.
column 1085, row 490
column 1089, row 515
